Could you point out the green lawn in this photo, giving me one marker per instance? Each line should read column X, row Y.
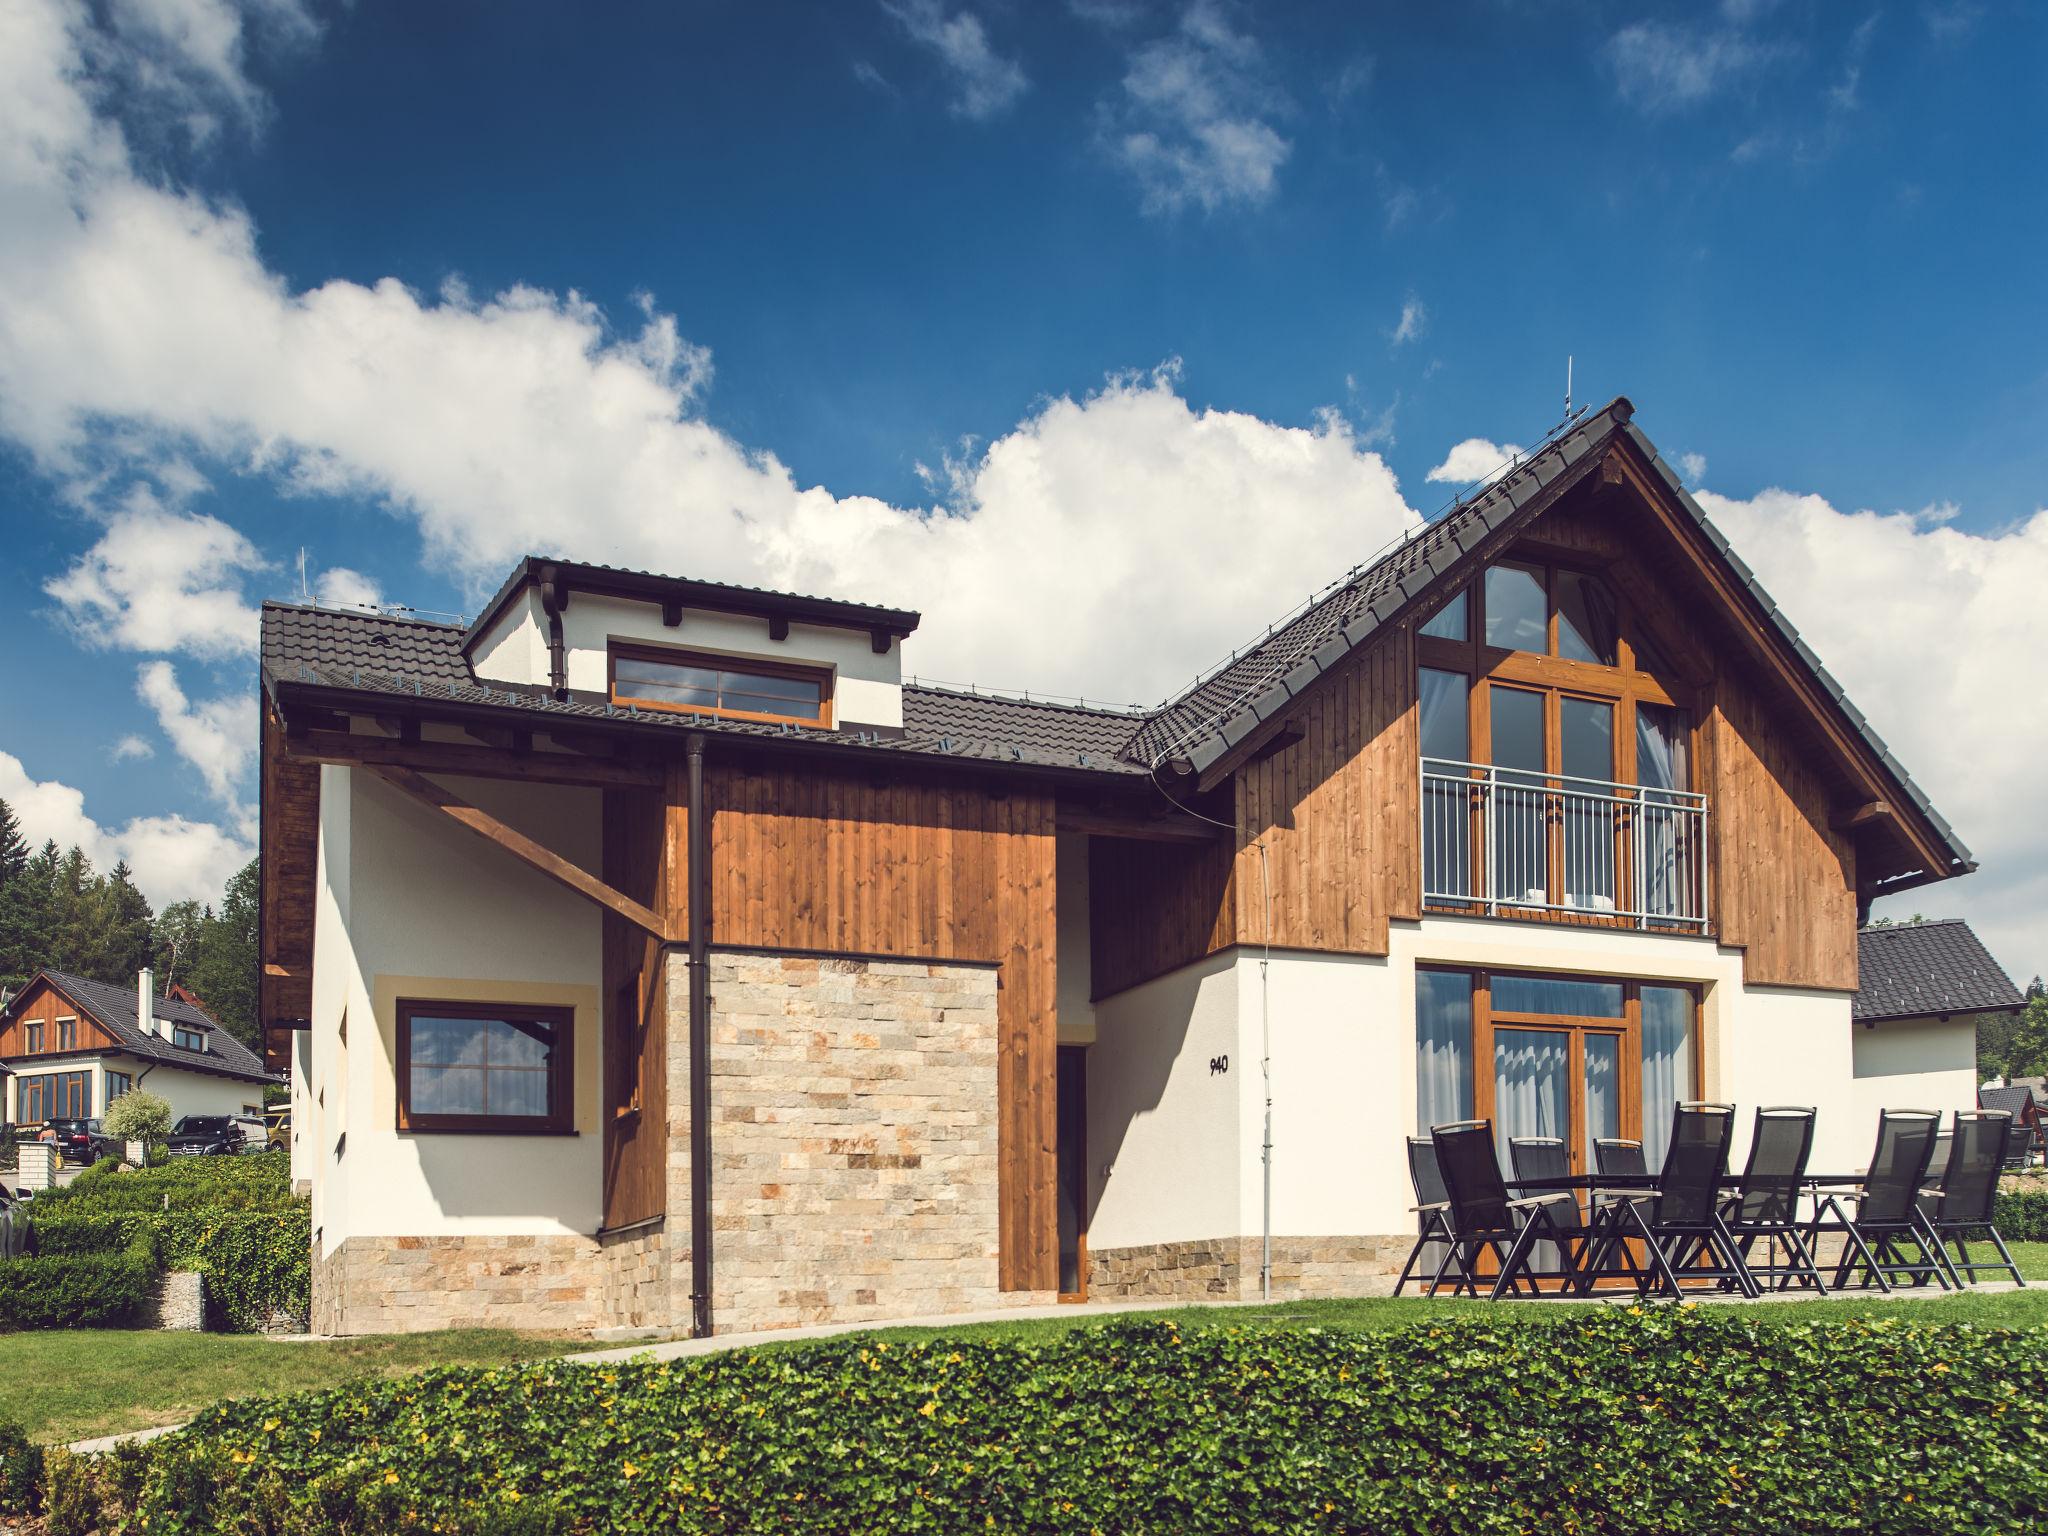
column 75, row 1384
column 63, row 1386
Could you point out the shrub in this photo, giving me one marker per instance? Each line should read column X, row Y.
column 139, row 1115
column 1678, row 1421
column 2022, row 1215
column 21, row 1472
column 95, row 1289
column 74, row 1494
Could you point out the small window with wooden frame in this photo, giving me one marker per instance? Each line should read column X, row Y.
column 32, row 1037
column 734, row 688
column 67, row 1034
column 501, row 1069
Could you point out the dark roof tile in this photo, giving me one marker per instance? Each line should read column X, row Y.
column 115, row 1008
column 1910, row 970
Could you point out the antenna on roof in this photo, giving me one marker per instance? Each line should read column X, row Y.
column 1567, row 386
column 305, row 593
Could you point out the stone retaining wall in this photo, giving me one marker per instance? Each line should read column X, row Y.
column 1227, row 1268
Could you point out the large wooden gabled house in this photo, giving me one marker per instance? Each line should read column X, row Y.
column 649, row 953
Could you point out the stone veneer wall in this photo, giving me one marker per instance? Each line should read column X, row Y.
column 1227, row 1268
column 854, row 1140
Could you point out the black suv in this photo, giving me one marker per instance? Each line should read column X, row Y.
column 81, row 1141
column 205, row 1136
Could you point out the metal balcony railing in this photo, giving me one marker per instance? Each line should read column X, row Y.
column 1502, row 841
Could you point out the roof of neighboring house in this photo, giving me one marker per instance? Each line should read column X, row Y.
column 2017, row 1102
column 416, row 658
column 373, row 655
column 1910, row 970
column 115, row 1010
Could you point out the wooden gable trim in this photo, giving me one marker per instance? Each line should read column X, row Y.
column 1872, row 779
column 39, row 1002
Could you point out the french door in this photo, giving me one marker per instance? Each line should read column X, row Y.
column 1558, row 1057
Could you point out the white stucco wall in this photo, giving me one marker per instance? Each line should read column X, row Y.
column 1915, row 1064
column 1343, row 1074
column 867, row 689
column 410, row 906
column 188, row 1093
column 1164, row 1130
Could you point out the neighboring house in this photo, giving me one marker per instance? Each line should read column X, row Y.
column 653, row 953
column 1922, row 990
column 74, row 1046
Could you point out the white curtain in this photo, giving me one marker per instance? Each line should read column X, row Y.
column 1603, row 1091
column 1531, row 1090
column 1667, row 1065
column 1667, row 833
column 1443, row 1049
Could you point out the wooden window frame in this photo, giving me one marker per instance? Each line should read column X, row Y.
column 67, row 1032
column 677, row 656
column 32, row 1037
column 184, row 1038
column 560, row 1119
column 48, row 1088
column 1628, row 1026
column 125, row 1079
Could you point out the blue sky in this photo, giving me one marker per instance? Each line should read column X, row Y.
column 854, row 295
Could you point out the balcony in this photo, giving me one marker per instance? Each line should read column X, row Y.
column 1503, row 842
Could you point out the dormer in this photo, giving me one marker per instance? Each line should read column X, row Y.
column 649, row 642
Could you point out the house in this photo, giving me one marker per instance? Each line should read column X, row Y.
column 1923, row 987
column 656, row 953
column 73, row 1046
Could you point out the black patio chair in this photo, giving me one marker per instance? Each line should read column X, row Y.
column 1767, row 1207
column 1545, row 1157
column 1618, row 1157
column 1485, row 1219
column 1888, row 1216
column 1967, row 1191
column 1432, row 1208
column 1680, row 1225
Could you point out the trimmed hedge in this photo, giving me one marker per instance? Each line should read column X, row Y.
column 234, row 1219
column 98, row 1288
column 2022, row 1214
column 1666, row 1420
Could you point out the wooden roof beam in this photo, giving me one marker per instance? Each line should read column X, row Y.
column 480, row 762
column 424, row 791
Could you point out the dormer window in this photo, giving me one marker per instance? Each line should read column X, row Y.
column 650, row 677
column 188, row 1039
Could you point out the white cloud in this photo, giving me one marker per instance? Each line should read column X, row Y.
column 1413, row 323
column 1662, row 66
column 1905, row 614
column 527, row 422
column 984, row 82
column 340, row 587
column 174, row 859
column 1473, row 460
column 1192, row 125
column 159, row 580
column 130, row 748
column 1693, row 466
column 217, row 737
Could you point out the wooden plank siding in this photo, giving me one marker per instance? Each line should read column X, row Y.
column 289, row 875
column 1784, row 882
column 937, row 869
column 1154, row 907
column 635, row 1011
column 43, row 1004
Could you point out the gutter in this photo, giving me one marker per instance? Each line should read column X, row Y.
column 699, row 901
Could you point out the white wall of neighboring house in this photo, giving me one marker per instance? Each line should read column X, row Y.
column 188, row 1093
column 1915, row 1064
column 867, row 687
column 1342, row 1031
column 410, row 906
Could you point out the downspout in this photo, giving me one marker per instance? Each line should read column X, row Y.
column 553, row 599
column 700, row 1045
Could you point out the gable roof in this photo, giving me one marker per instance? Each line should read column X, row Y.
column 1910, row 970
column 412, row 659
column 115, row 1010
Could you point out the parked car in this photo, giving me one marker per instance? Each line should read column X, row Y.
column 206, row 1136
column 278, row 1120
column 255, row 1138
column 81, row 1141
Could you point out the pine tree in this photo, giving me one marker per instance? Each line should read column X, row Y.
column 13, row 846
column 28, row 917
column 224, row 970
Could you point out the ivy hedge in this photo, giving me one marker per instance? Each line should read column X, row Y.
column 104, row 1238
column 1626, row 1420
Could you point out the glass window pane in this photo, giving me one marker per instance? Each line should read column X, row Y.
column 1585, row 619
column 521, row 1044
column 1443, row 1048
column 1517, row 611
column 1446, row 725
column 1531, row 1087
column 1516, row 715
column 447, row 1090
column 1668, row 1025
column 1603, row 1091
column 794, row 690
column 448, row 1042
column 1661, row 738
column 1448, row 622
column 1586, row 747
column 1557, row 994
column 658, row 691
column 516, row 1092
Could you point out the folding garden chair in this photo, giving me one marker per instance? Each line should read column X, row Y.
column 1618, row 1156
column 1679, row 1224
column 1888, row 1215
column 1484, row 1219
column 1544, row 1157
column 1767, row 1208
column 1969, row 1186
column 1432, row 1207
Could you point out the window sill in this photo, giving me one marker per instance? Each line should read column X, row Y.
column 520, row 1133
